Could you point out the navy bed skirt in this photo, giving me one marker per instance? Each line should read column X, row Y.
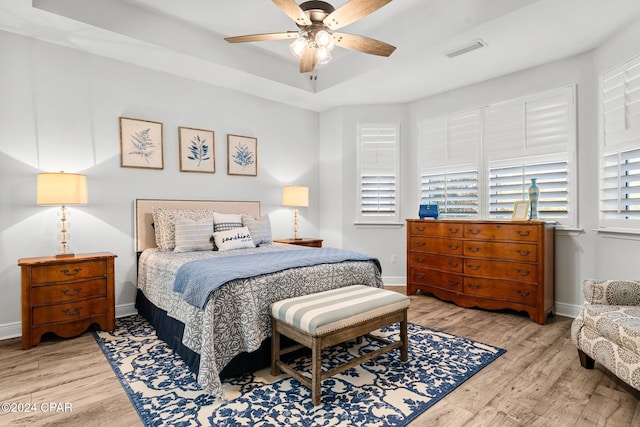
column 171, row 330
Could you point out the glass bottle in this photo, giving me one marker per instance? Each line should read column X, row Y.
column 534, row 192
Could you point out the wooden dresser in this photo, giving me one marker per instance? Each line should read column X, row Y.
column 66, row 295
column 487, row 264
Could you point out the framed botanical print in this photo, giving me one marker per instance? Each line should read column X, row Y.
column 197, row 150
column 242, row 155
column 140, row 144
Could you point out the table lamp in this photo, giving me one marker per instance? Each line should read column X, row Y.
column 296, row 197
column 62, row 189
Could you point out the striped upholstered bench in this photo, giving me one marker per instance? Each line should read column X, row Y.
column 325, row 319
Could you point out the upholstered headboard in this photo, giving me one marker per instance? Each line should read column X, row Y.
column 145, row 235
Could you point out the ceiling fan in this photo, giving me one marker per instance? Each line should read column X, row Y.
column 318, row 21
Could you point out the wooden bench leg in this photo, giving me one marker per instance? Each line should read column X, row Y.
column 316, row 368
column 404, row 337
column 275, row 348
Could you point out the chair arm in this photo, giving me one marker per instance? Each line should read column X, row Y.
column 612, row 292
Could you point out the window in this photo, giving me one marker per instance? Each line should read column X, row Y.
column 620, row 147
column 479, row 162
column 378, row 167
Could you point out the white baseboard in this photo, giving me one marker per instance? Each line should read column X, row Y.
column 394, row 280
column 14, row 329
column 568, row 310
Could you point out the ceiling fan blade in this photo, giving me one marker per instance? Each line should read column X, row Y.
column 293, row 11
column 352, row 11
column 363, row 44
column 308, row 60
column 263, row 37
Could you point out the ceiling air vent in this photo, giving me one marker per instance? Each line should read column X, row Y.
column 467, row 47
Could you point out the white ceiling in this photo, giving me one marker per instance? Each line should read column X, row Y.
column 185, row 38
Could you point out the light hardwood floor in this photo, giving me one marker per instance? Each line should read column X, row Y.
column 537, row 382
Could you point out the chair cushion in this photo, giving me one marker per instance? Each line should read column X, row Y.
column 327, row 311
column 620, row 324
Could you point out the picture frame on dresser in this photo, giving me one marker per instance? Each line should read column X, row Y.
column 520, row 210
column 197, row 150
column 141, row 144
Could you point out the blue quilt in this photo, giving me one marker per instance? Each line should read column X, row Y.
column 196, row 280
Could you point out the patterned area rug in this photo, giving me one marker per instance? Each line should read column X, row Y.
column 381, row 392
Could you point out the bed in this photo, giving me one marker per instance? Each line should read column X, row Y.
column 226, row 333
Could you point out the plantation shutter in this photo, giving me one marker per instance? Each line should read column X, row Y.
column 378, row 172
column 449, row 148
column 620, row 150
column 532, row 137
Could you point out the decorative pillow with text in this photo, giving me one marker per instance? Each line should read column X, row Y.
column 236, row 238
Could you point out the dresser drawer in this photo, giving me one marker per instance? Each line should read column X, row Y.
column 439, row 262
column 501, row 269
column 518, row 232
column 68, row 292
column 439, row 279
column 523, row 293
column 69, row 311
column 440, row 229
column 68, row 272
column 501, row 250
column 435, row 244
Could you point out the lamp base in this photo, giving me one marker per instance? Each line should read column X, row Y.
column 65, row 255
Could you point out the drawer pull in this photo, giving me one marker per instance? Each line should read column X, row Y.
column 523, row 233
column 420, row 259
column 421, row 275
column 75, row 271
column 452, row 264
column 473, row 249
column 453, row 230
column 473, row 286
column 474, row 231
column 473, row 267
column 421, row 228
column 453, row 247
column 523, row 273
column 523, row 293
column 523, row 252
column 453, row 282
column 420, row 243
column 68, row 293
column 73, row 312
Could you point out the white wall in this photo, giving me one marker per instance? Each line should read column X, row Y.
column 59, row 110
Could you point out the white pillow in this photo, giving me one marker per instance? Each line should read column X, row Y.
column 193, row 235
column 223, row 222
column 233, row 239
column 260, row 229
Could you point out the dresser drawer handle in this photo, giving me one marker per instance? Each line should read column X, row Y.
column 452, row 264
column 420, row 243
column 75, row 271
column 523, row 252
column 474, row 231
column 453, row 282
column 421, row 275
column 523, row 293
column 421, row 228
column 453, row 247
column 473, row 249
column 68, row 293
column 523, row 233
column 454, row 230
column 473, row 267
column 473, row 286
column 523, row 273
column 420, row 259
column 73, row 312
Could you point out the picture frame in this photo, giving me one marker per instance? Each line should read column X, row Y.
column 520, row 210
column 141, row 144
column 242, row 155
column 197, row 150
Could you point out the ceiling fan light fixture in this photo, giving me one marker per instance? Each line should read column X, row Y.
column 298, row 46
column 324, row 39
column 323, row 55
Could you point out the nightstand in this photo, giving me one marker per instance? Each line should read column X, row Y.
column 314, row 243
column 66, row 295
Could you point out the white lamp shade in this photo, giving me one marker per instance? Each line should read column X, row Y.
column 295, row 196
column 61, row 189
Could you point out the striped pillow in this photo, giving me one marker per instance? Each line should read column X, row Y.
column 193, row 235
column 224, row 222
column 260, row 229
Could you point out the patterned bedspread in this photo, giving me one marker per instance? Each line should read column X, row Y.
column 235, row 319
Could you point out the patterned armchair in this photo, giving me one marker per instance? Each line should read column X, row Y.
column 608, row 328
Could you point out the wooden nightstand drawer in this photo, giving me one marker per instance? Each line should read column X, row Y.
column 67, row 272
column 68, row 312
column 47, row 294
